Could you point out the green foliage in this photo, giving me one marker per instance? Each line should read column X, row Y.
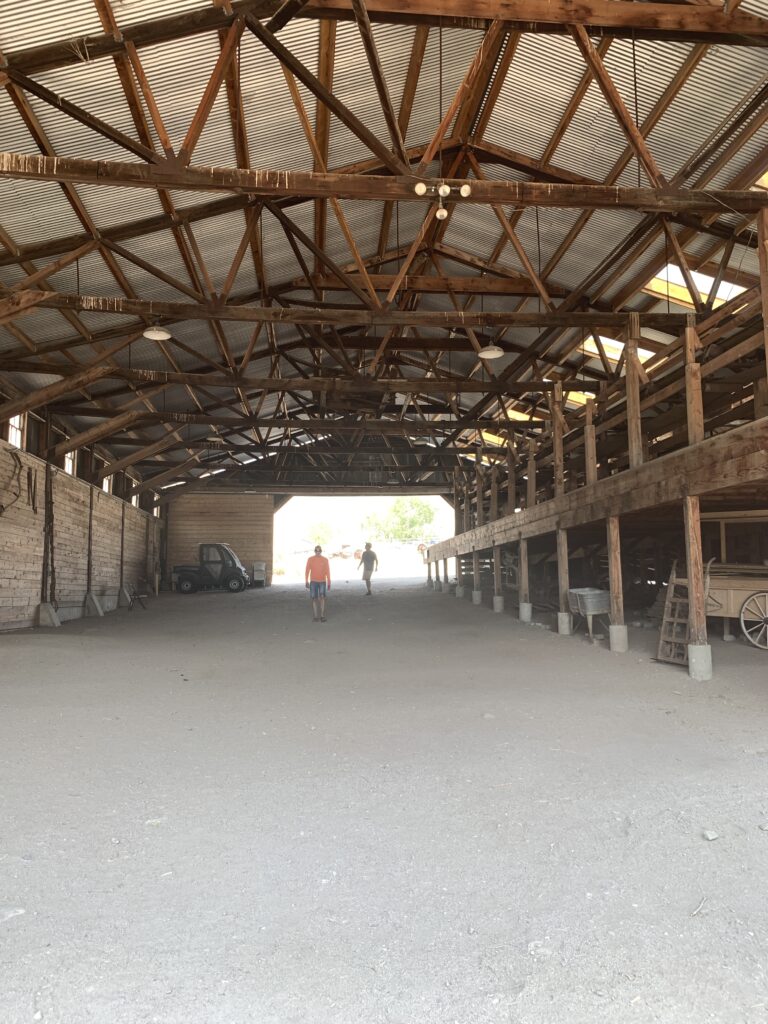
column 321, row 534
column 409, row 519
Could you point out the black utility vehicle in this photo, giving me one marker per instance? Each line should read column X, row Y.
column 219, row 569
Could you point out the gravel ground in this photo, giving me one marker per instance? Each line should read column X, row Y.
column 220, row 812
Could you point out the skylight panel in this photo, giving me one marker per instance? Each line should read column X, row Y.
column 612, row 349
column 670, row 283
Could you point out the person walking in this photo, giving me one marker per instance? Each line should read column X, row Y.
column 317, row 577
column 370, row 562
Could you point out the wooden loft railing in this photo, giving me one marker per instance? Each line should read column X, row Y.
column 709, row 380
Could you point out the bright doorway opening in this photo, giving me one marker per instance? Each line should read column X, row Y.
column 399, row 528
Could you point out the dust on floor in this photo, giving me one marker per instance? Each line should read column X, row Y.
column 419, row 812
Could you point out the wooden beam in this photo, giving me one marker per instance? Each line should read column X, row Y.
column 590, row 446
column 350, row 185
column 613, row 97
column 563, row 575
column 200, row 118
column 487, row 285
column 762, row 228
column 737, row 458
column 78, row 114
column 530, row 488
column 316, row 87
column 115, row 424
column 523, row 580
column 213, row 310
column 379, row 81
column 614, row 17
column 632, row 385
column 693, row 399
column 497, row 570
column 18, row 303
column 296, row 489
column 558, row 428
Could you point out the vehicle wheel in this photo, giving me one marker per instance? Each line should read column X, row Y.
column 754, row 619
column 235, row 584
column 186, row 585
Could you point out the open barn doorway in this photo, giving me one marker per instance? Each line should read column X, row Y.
column 398, row 528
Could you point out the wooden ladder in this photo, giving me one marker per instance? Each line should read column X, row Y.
column 673, row 637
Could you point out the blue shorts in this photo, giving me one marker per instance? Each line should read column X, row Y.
column 316, row 590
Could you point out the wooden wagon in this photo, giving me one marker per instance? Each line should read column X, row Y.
column 740, row 592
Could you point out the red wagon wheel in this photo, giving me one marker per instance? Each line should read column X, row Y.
column 754, row 619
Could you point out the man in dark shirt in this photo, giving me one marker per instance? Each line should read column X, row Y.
column 370, row 563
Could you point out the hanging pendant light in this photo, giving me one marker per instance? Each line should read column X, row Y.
column 156, row 334
column 491, row 351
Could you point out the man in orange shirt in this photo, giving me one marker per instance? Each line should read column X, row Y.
column 317, row 577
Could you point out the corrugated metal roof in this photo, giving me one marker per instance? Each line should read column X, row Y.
column 541, row 80
column 27, row 23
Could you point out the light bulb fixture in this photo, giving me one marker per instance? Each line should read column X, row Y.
column 442, row 189
column 156, row 334
column 491, row 351
column 441, row 212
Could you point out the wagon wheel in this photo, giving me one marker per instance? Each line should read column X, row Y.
column 754, row 619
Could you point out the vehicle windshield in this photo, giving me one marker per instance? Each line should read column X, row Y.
column 235, row 560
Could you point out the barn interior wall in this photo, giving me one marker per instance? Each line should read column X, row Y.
column 244, row 521
column 75, row 504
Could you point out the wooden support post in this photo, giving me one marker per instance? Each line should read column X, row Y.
column 590, row 443
column 530, row 489
column 697, row 619
column 556, row 408
column 761, row 398
column 617, row 628
column 693, row 398
column 728, row 636
column 762, row 247
column 699, row 651
column 632, row 384
column 445, row 574
column 511, row 481
column 563, row 584
column 614, row 571
column 498, row 597
column 457, row 499
column 494, row 493
column 479, row 482
column 467, row 509
column 523, row 583
column 122, row 544
column 477, row 594
column 89, row 553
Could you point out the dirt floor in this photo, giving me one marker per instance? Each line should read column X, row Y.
column 219, row 812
